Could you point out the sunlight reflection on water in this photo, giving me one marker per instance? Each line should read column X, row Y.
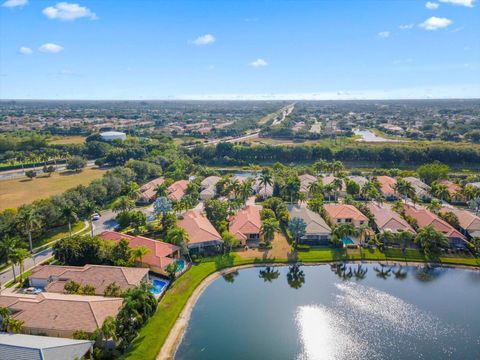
column 357, row 323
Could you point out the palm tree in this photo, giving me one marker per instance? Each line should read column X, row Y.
column 8, row 245
column 30, row 221
column 89, row 208
column 315, row 188
column 405, row 189
column 138, row 253
column 132, row 190
column 68, row 212
column 17, row 257
column 265, row 179
column 245, row 190
column 441, row 191
column 320, row 165
column 269, row 228
column 337, row 185
column 123, row 204
column 108, row 329
column 336, row 167
column 431, row 240
column 434, row 206
column 342, row 231
column 161, row 190
column 176, row 236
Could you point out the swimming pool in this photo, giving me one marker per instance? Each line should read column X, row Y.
column 348, row 241
column 180, row 265
column 158, row 286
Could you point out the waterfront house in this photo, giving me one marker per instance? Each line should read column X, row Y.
column 345, row 214
column 388, row 220
column 201, row 233
column 454, row 190
column 59, row 315
column 245, row 225
column 317, row 231
column 469, row 222
column 52, row 278
column 424, row 217
column 160, row 254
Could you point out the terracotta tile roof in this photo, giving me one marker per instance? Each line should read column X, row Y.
column 387, row 185
column 425, row 217
column 451, row 186
column 466, row 219
column 177, row 190
column 246, row 221
column 344, row 211
column 198, row 227
column 387, row 219
column 148, row 190
column 61, row 312
column 99, row 276
column 159, row 250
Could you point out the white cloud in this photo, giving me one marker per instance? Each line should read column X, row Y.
column 14, row 3
column 68, row 12
column 25, row 50
column 50, row 48
column 384, row 34
column 431, row 5
column 258, row 63
column 204, row 40
column 467, row 3
column 406, row 26
column 435, row 23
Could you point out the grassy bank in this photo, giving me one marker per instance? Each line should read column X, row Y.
column 154, row 334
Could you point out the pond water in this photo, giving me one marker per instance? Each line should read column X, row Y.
column 337, row 312
column 370, row 136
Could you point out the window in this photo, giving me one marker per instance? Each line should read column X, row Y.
column 348, row 220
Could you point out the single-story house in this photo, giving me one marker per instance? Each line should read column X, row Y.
column 469, row 222
column 422, row 190
column 246, row 224
column 208, row 193
column 262, row 190
column 201, row 233
column 345, row 214
column 387, row 187
column 359, row 180
column 60, row 315
column 387, row 219
column 454, row 190
column 52, row 278
column 305, row 181
column 210, row 181
column 425, row 217
column 317, row 231
column 177, row 190
column 31, row 347
column 148, row 191
column 160, row 254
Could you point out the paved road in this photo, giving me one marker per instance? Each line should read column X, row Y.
column 7, row 274
column 19, row 173
column 107, row 220
column 250, row 135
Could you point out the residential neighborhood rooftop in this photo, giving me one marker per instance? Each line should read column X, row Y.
column 198, row 227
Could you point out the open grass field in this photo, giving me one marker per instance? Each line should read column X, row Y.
column 15, row 192
column 63, row 140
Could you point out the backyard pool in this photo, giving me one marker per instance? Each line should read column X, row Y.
column 158, row 286
column 180, row 265
column 347, row 241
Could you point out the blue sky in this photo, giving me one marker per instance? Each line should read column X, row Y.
column 148, row 49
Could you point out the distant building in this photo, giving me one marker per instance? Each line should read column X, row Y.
column 113, row 135
column 148, row 192
column 387, row 187
column 422, row 190
column 31, row 347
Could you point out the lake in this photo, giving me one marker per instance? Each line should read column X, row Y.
column 337, row 312
column 370, row 136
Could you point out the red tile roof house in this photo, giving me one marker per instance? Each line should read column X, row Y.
column 161, row 254
column 201, row 233
column 346, row 214
column 387, row 187
column 52, row 278
column 469, row 223
column 454, row 190
column 177, row 190
column 389, row 220
column 148, row 191
column 246, row 224
column 425, row 217
column 60, row 315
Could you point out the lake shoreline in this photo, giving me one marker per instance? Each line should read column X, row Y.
column 175, row 336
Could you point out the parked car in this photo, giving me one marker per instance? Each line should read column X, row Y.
column 95, row 217
column 32, row 291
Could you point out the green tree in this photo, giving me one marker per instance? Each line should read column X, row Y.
column 176, row 236
column 72, row 287
column 172, row 269
column 431, row 241
column 28, row 221
column 138, row 253
column 229, row 241
column 30, row 174
column 433, row 172
column 88, row 289
column 297, row 227
column 269, row 228
column 76, row 163
column 123, row 204
column 266, row 179
column 112, row 290
column 17, row 257
column 69, row 214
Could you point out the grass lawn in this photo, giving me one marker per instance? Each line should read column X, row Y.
column 63, row 140
column 15, row 192
column 57, row 233
column 155, row 332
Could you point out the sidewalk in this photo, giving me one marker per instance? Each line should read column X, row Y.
column 38, row 258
